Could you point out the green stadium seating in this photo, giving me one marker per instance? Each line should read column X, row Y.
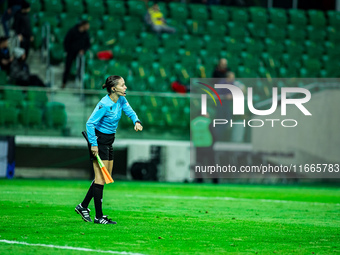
column 93, row 82
column 11, row 114
column 53, row 7
column 192, row 44
column 128, row 41
column 298, row 17
column 239, row 16
column 133, row 25
column 294, row 50
column 245, row 72
column 257, row 31
column 274, row 48
column 31, row 115
column 56, row 53
column 179, row 25
column 118, row 69
column 313, row 50
column 332, row 67
column 196, row 27
column 55, row 115
column 254, row 47
column 237, row 32
column 36, row 32
column 233, row 46
column 2, row 111
column 137, row 8
column 14, row 97
column 96, row 23
column 96, row 67
column 258, row 15
column 95, row 8
column 3, row 78
column 116, row 8
column 112, row 24
column 171, row 43
column 178, row 11
column 311, row 68
column 317, row 18
column 167, row 60
column 278, row 17
column 67, row 20
column 149, row 41
column 296, row 34
column 316, row 35
column 334, row 19
column 276, row 33
column 333, row 35
column 50, row 19
column 332, row 51
column 74, row 7
column 198, row 12
column 212, row 45
column 39, row 98
column 250, row 61
column 145, row 58
column 35, row 6
column 215, row 29
column 219, row 14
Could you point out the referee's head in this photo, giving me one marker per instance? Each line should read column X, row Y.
column 112, row 82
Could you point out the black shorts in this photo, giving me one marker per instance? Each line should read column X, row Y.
column 105, row 142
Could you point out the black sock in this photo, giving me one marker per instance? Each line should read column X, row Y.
column 88, row 196
column 98, row 199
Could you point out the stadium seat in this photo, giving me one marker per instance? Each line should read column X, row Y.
column 274, row 48
column 258, row 15
column 116, row 8
column 3, row 78
column 35, row 6
column 192, row 44
column 128, row 41
column 316, row 35
column 145, row 58
column 178, row 11
column 212, row 45
column 171, row 43
column 55, row 115
column 39, row 98
column 236, row 31
column 311, row 68
column 296, row 34
column 53, row 7
column 31, row 115
column 298, row 17
column 275, row 33
column 334, row 19
column 278, row 17
column 196, row 27
column 137, row 8
column 133, row 25
column 294, row 50
column 112, row 24
column 216, row 30
column 167, row 60
column 239, row 16
column 74, row 7
column 198, row 12
column 96, row 23
column 95, row 8
column 250, row 61
column 234, row 46
column 14, row 97
column 93, row 82
column 50, row 19
column 37, row 42
column 333, row 35
column 313, row 50
column 149, row 41
column 254, row 47
column 96, row 67
column 2, row 115
column 219, row 14
column 317, row 18
column 118, row 69
column 332, row 67
column 11, row 113
column 332, row 51
column 56, row 53
column 179, row 25
column 257, row 31
column 67, row 20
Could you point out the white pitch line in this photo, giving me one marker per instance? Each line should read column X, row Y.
column 194, row 198
column 233, row 199
column 69, row 248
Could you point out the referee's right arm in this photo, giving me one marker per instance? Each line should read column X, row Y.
column 95, row 117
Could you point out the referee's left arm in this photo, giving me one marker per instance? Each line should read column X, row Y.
column 130, row 112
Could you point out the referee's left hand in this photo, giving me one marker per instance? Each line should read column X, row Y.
column 138, row 127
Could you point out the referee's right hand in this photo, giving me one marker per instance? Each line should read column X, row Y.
column 94, row 150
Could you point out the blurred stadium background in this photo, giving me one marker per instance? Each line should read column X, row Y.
column 265, row 39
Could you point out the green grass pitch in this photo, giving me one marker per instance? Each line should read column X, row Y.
column 166, row 218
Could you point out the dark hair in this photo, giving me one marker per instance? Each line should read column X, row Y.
column 110, row 82
column 83, row 22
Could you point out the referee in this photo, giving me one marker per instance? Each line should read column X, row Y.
column 101, row 129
